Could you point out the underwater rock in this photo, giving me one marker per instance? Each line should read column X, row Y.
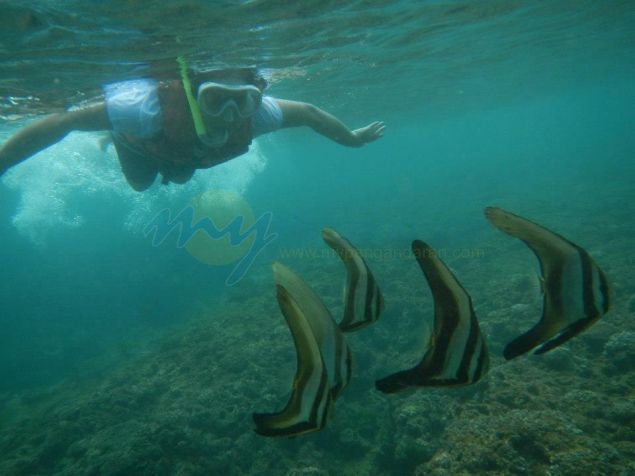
column 523, row 287
column 560, row 359
column 184, row 408
column 619, row 351
column 623, row 413
column 520, row 442
column 419, row 422
column 306, row 471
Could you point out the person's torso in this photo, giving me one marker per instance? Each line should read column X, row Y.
column 178, row 144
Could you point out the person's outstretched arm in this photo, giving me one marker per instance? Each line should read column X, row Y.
column 296, row 114
column 41, row 134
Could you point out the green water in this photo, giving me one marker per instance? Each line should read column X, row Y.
column 120, row 357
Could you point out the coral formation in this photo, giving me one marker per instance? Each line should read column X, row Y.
column 183, row 406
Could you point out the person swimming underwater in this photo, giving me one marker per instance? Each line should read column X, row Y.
column 174, row 127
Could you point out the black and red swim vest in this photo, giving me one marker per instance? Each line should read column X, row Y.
column 177, row 144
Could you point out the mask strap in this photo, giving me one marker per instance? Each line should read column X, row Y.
column 199, row 126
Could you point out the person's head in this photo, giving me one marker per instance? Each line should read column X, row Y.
column 225, row 108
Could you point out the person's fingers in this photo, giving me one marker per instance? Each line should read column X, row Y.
column 376, row 129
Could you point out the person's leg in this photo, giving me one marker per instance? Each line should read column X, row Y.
column 140, row 172
column 177, row 174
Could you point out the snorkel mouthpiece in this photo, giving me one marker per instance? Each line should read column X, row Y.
column 215, row 140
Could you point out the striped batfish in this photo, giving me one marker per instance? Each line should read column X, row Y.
column 311, row 403
column 575, row 289
column 323, row 360
column 457, row 353
column 363, row 302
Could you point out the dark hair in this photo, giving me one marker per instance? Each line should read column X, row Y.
column 168, row 70
column 244, row 75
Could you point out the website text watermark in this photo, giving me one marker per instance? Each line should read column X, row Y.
column 380, row 254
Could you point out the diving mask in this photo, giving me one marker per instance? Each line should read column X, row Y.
column 227, row 102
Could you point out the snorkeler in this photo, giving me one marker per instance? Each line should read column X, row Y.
column 175, row 127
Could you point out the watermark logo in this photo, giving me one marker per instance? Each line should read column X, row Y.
column 217, row 228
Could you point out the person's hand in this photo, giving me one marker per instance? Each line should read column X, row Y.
column 371, row 132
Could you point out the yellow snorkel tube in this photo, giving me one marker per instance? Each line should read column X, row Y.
column 199, row 126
